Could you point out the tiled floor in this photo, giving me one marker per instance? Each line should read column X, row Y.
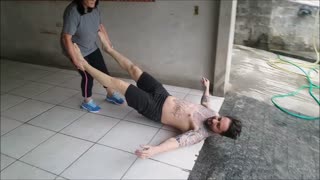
column 45, row 135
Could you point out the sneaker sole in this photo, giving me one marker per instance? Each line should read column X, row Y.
column 89, row 110
column 113, row 102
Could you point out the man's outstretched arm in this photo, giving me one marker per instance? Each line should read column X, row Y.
column 205, row 97
column 186, row 139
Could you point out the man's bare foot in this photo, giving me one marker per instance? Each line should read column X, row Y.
column 105, row 45
column 105, row 40
column 81, row 62
column 104, row 32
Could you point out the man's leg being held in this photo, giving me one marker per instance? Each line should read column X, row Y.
column 96, row 60
column 136, row 98
column 101, row 77
column 144, row 81
column 125, row 63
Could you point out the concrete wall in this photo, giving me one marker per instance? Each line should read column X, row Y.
column 275, row 24
column 165, row 38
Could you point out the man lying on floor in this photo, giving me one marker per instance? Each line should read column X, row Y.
column 151, row 99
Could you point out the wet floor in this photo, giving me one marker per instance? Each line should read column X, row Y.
column 253, row 77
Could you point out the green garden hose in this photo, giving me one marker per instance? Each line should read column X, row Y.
column 311, row 86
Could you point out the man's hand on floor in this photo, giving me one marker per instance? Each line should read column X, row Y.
column 146, row 151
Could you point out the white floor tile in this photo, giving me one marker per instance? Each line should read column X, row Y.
column 69, row 71
column 56, row 95
column 46, row 68
column 182, row 157
column 57, row 118
column 170, row 128
column 196, row 92
column 57, row 153
column 215, row 103
column 10, row 84
column 177, row 94
column 176, row 89
column 100, row 162
column 128, row 136
column 76, row 100
column 134, row 116
column 60, row 178
column 8, row 124
column 21, row 140
column 150, row 169
column 74, row 83
column 9, row 100
column 115, row 111
column 90, row 127
column 27, row 110
column 193, row 98
column 32, row 89
column 34, row 74
column 6, row 161
column 56, row 78
column 13, row 72
column 20, row 170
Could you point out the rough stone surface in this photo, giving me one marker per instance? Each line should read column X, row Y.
column 272, row 145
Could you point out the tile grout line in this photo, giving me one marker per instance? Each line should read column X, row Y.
column 94, row 143
column 76, row 159
column 24, row 122
column 26, row 99
column 27, row 122
column 137, row 157
column 58, row 85
column 59, row 132
column 183, row 169
column 9, row 163
column 18, row 160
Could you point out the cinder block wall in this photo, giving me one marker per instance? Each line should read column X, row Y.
column 275, row 24
column 165, row 38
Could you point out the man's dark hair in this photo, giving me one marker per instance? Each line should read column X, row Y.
column 81, row 8
column 234, row 129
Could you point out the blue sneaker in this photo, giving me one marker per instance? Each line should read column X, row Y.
column 115, row 99
column 90, row 106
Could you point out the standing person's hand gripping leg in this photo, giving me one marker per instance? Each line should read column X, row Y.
column 101, row 77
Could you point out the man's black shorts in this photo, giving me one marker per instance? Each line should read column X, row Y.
column 148, row 98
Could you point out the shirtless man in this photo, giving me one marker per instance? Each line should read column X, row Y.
column 150, row 99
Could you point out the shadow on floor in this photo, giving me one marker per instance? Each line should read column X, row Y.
column 272, row 145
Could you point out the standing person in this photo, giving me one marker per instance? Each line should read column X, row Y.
column 81, row 23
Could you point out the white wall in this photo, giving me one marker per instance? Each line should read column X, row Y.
column 165, row 38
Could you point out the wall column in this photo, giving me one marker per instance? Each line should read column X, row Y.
column 222, row 63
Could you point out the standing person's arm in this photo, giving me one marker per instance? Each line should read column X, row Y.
column 71, row 20
column 68, row 44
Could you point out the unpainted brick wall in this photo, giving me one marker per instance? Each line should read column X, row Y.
column 275, row 24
